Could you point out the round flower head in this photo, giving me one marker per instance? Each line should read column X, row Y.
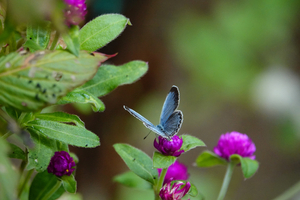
column 235, row 143
column 61, row 164
column 177, row 171
column 75, row 11
column 175, row 192
column 169, row 148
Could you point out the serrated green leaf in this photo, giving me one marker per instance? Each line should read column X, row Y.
column 249, row 166
column 38, row 36
column 8, row 176
column 109, row 77
column 162, row 161
column 42, row 183
column 138, row 162
column 69, row 183
column 82, row 96
column 72, row 40
column 61, row 117
column 102, row 30
column 190, row 142
column 69, row 134
column 209, row 159
column 130, row 179
column 16, row 152
column 32, row 81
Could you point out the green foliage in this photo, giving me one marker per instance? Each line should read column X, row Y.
column 41, row 185
column 102, row 30
column 162, row 161
column 61, row 117
column 8, row 176
column 138, row 162
column 249, row 166
column 109, row 77
column 16, row 152
column 209, row 159
column 32, row 81
column 130, row 179
column 191, row 142
column 72, row 40
column 69, row 183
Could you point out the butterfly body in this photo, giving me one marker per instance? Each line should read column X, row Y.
column 170, row 118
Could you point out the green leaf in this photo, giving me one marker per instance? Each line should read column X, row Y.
column 190, row 142
column 130, row 179
column 162, row 161
column 138, row 162
column 193, row 191
column 72, row 40
column 61, row 117
column 8, row 176
column 69, row 134
column 39, row 156
column 209, row 159
column 102, row 30
column 249, row 166
column 69, row 183
column 82, row 96
column 16, row 152
column 3, row 8
column 42, row 183
column 110, row 77
column 38, row 36
column 25, row 117
column 32, row 81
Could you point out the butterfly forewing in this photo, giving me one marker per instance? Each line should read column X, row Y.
column 170, row 104
column 173, row 124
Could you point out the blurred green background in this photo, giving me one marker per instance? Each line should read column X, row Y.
column 237, row 66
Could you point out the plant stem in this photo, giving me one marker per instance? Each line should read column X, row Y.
column 6, row 135
column 52, row 191
column 226, row 180
column 288, row 194
column 55, row 39
column 28, row 175
column 160, row 183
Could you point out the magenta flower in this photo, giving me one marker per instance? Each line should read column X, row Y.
column 61, row 164
column 75, row 11
column 235, row 143
column 177, row 171
column 175, row 192
column 169, row 148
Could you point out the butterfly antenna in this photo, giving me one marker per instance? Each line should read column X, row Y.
column 147, row 135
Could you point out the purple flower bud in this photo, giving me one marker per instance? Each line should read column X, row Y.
column 75, row 11
column 235, row 143
column 169, row 148
column 175, row 192
column 61, row 164
column 177, row 171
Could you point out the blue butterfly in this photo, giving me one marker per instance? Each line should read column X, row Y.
column 170, row 118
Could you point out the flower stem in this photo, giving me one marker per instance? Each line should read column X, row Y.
column 288, row 194
column 226, row 180
column 55, row 40
column 52, row 191
column 28, row 175
column 160, row 183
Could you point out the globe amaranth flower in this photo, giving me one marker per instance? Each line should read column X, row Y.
column 75, row 11
column 235, row 143
column 176, row 171
column 169, row 147
column 61, row 164
column 174, row 192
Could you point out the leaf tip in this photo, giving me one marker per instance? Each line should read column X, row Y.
column 129, row 22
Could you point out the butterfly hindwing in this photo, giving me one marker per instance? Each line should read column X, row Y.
column 173, row 123
column 170, row 104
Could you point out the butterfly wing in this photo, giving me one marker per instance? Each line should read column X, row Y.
column 173, row 124
column 145, row 121
column 170, row 105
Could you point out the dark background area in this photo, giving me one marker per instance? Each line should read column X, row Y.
column 236, row 64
